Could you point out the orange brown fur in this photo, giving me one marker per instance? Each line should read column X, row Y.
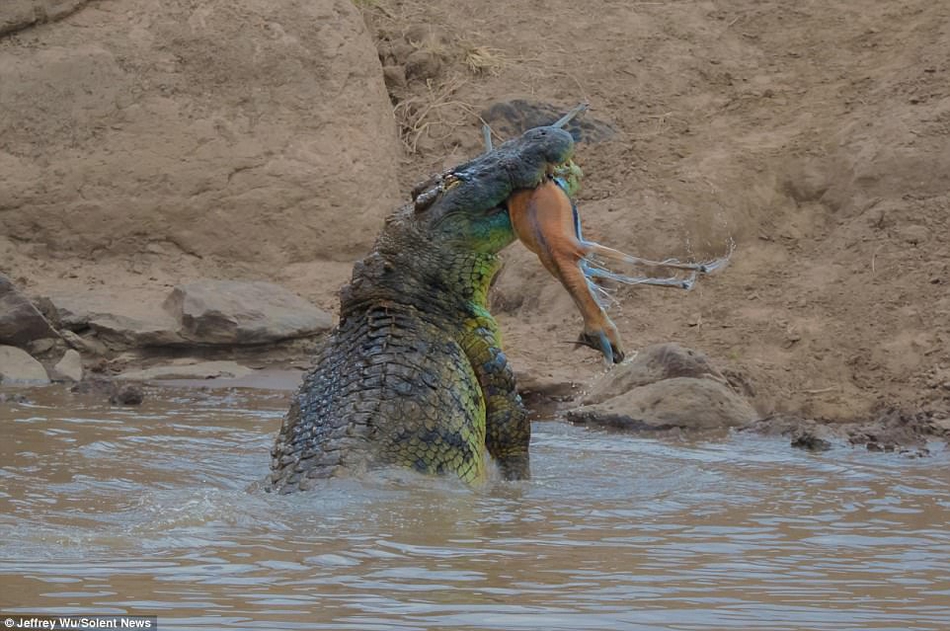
column 543, row 219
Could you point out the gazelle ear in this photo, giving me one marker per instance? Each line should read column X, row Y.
column 486, row 136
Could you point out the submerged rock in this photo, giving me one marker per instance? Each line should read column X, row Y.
column 810, row 437
column 127, row 394
column 118, row 394
column 17, row 367
column 887, row 429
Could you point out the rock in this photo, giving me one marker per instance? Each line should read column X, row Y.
column 94, row 385
column 892, row 429
column 118, row 320
column 69, row 368
column 534, row 385
column 46, row 307
column 13, row 397
column 194, row 370
column 384, row 50
column 42, row 345
column 394, row 77
column 16, row 15
column 127, row 394
column 20, row 321
column 205, row 312
column 423, row 65
column 88, row 346
column 119, row 394
column 887, row 429
column 17, row 367
column 205, row 123
column 680, row 402
column 400, row 51
column 652, row 364
column 238, row 312
column 544, row 395
column 811, row 438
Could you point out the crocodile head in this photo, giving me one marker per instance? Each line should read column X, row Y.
column 439, row 252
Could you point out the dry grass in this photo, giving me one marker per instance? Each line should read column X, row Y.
column 371, row 5
column 435, row 114
column 441, row 109
column 431, row 44
column 435, row 111
column 484, row 60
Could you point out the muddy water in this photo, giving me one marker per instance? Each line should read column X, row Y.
column 154, row 510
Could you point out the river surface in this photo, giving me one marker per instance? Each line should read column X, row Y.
column 158, row 510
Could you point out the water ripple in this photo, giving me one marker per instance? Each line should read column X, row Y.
column 112, row 510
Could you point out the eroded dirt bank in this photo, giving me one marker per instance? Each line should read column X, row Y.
column 815, row 137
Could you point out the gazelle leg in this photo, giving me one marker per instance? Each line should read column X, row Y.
column 595, row 250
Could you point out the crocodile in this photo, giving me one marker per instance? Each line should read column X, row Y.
column 414, row 374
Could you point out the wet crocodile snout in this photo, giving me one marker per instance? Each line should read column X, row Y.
column 553, row 143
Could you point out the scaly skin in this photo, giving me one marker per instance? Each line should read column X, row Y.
column 414, row 374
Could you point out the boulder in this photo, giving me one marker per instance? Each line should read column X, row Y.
column 239, row 312
column 17, row 367
column 16, row 15
column 118, row 320
column 205, row 312
column 20, row 321
column 69, row 368
column 193, row 370
column 652, row 364
column 245, row 130
column 680, row 402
